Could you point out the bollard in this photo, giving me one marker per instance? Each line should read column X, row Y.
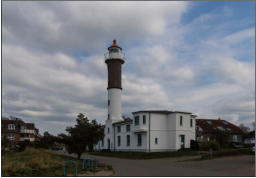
column 96, row 161
column 88, row 164
column 65, row 164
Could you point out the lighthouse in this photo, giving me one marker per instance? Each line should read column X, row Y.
column 147, row 130
column 114, row 59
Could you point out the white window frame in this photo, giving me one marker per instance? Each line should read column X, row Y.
column 11, row 126
column 11, row 137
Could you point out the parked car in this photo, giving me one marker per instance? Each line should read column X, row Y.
column 249, row 141
column 56, row 148
column 237, row 145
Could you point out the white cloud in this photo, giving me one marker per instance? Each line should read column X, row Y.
column 240, row 36
column 85, row 26
column 53, row 64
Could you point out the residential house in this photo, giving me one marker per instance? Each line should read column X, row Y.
column 15, row 129
column 206, row 130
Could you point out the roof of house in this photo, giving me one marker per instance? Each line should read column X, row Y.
column 126, row 120
column 211, row 125
column 30, row 125
column 18, row 122
column 161, row 112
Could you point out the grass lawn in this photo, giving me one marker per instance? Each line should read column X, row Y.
column 39, row 162
column 229, row 152
column 144, row 155
column 154, row 155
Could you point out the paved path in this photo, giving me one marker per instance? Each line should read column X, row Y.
column 225, row 166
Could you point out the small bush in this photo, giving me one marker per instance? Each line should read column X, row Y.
column 194, row 145
column 22, row 145
column 185, row 150
column 204, row 146
column 214, row 145
column 230, row 152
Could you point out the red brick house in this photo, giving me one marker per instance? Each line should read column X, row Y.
column 16, row 130
column 206, row 130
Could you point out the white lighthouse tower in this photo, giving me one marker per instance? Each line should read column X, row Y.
column 114, row 59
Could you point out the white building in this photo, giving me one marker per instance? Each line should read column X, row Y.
column 149, row 130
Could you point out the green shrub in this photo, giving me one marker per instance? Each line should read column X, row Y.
column 23, row 144
column 214, row 145
column 230, row 152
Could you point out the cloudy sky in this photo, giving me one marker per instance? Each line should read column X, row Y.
column 188, row 56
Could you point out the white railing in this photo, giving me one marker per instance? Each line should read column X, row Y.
column 27, row 131
column 113, row 55
column 27, row 138
column 140, row 128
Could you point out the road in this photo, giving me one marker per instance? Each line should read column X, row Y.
column 225, row 166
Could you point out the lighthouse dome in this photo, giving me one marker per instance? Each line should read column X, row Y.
column 114, row 52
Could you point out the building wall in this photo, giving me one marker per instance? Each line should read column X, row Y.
column 165, row 128
column 21, row 132
column 185, row 129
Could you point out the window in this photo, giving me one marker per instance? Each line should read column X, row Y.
column 144, row 119
column 102, row 143
column 128, row 127
column 119, row 140
column 199, row 128
column 114, row 50
column 108, row 116
column 225, row 122
column 220, row 128
column 228, row 129
column 118, row 129
column 108, row 130
column 200, row 138
column 139, row 139
column 180, row 120
column 156, row 140
column 11, row 136
column 108, row 102
column 209, row 122
column 11, row 127
column 137, row 120
column 128, row 140
column 234, row 138
column 191, row 122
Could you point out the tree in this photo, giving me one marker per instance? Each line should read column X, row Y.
column 84, row 134
column 5, row 143
column 46, row 141
column 221, row 137
column 244, row 128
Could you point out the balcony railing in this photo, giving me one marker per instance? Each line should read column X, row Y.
column 113, row 55
column 27, row 131
column 27, row 138
column 140, row 128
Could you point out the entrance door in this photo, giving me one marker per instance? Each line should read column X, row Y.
column 182, row 141
column 108, row 144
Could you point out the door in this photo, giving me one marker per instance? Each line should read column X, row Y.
column 182, row 141
column 108, row 144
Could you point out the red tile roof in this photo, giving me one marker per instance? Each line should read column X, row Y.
column 210, row 126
